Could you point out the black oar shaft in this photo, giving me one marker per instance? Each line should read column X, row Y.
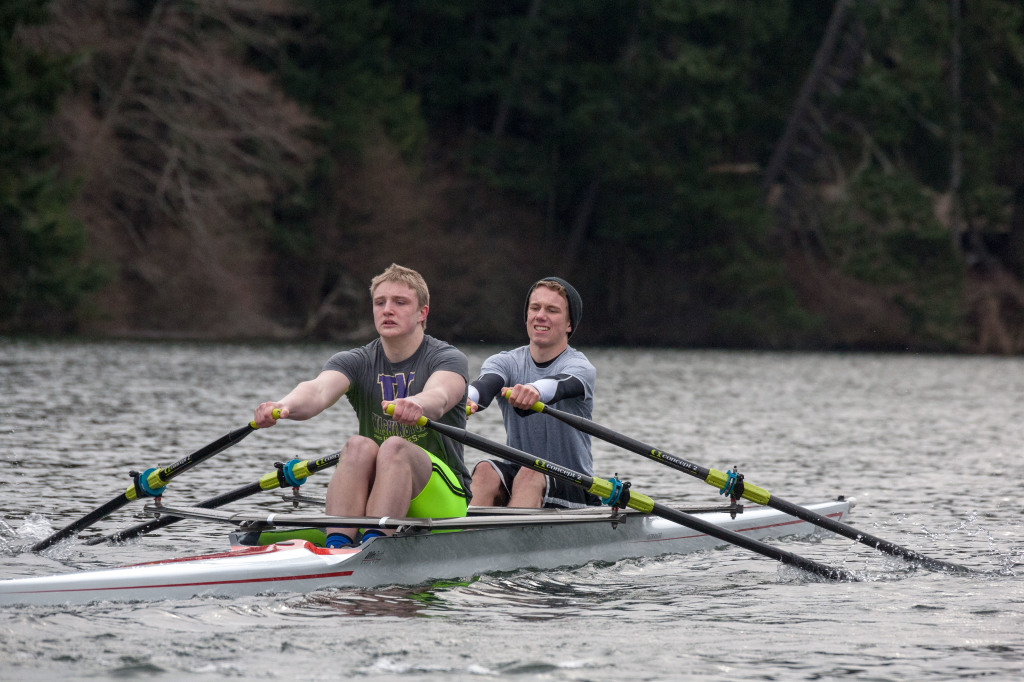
column 92, row 517
column 204, row 453
column 764, row 549
column 603, row 488
column 156, row 479
column 750, row 492
column 852, row 533
column 268, row 481
column 166, row 520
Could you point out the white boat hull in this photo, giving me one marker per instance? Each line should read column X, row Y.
column 299, row 566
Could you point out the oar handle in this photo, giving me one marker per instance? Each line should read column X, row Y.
column 422, row 421
column 275, row 413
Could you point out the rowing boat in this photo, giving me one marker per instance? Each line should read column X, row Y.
column 488, row 540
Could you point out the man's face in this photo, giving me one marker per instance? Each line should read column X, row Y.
column 547, row 318
column 396, row 311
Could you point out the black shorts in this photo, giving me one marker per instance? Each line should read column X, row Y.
column 558, row 494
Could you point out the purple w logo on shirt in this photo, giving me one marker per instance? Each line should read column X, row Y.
column 395, row 387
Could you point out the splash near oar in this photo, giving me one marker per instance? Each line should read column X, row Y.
column 149, row 483
column 293, row 474
column 614, row 493
column 728, row 483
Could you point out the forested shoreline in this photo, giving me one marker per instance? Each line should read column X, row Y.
column 787, row 175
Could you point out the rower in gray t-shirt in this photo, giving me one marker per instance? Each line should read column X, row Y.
column 566, row 382
column 374, row 378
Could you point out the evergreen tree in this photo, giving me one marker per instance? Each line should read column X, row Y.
column 42, row 273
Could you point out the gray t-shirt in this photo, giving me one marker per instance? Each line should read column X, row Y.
column 374, row 378
column 541, row 435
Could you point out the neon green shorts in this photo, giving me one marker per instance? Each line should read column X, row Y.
column 443, row 495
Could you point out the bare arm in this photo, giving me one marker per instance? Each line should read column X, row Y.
column 306, row 400
column 442, row 392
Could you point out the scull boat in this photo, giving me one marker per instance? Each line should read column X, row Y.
column 489, row 540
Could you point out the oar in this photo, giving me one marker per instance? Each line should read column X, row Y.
column 751, row 492
column 628, row 498
column 299, row 472
column 148, row 484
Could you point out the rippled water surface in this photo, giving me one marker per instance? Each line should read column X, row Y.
column 929, row 446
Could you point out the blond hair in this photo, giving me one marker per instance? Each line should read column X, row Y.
column 408, row 277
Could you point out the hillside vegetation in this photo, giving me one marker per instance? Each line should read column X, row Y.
column 794, row 174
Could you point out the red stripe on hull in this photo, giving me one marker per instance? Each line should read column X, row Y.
column 250, row 551
column 288, row 545
column 338, row 574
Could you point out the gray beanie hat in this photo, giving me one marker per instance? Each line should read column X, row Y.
column 573, row 296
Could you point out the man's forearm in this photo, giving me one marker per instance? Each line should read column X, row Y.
column 305, row 401
column 435, row 403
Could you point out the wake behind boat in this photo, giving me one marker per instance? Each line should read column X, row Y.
column 489, row 540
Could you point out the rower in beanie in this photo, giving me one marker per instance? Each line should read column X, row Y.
column 551, row 371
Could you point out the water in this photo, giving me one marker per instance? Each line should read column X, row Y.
column 930, row 447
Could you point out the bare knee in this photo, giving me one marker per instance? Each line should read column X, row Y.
column 353, row 477
column 358, row 455
column 531, row 478
column 399, row 457
column 487, row 487
column 528, row 489
column 396, row 451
